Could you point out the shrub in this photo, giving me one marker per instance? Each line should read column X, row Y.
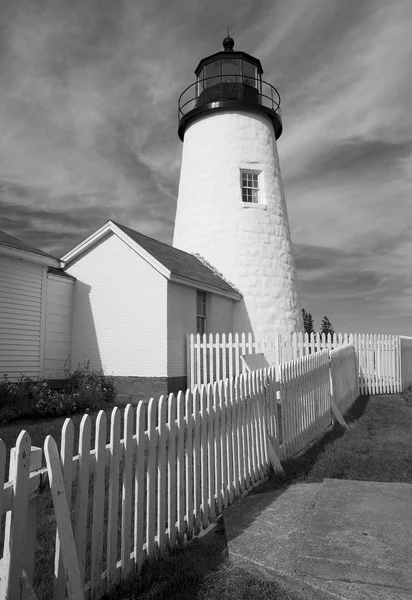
column 86, row 390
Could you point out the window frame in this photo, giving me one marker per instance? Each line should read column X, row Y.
column 257, row 189
column 205, row 316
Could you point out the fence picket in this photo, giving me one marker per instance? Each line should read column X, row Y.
column 228, row 387
column 218, row 371
column 13, row 556
column 181, row 428
column 198, row 360
column 217, row 448
column 204, row 359
column 235, row 436
column 189, row 464
column 211, row 362
column 196, row 461
column 171, row 472
column 204, row 513
column 62, row 513
column 127, row 487
column 113, row 505
column 82, row 497
column 241, row 431
column 211, row 460
column 222, row 436
column 140, row 480
column 161, row 473
column 66, row 453
column 98, row 508
column 151, row 477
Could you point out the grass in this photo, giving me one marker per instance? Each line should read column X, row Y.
column 201, row 573
column 377, row 447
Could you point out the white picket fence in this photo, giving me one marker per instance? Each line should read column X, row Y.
column 180, row 461
column 211, row 357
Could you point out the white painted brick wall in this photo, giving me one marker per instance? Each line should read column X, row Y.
column 120, row 312
column 250, row 246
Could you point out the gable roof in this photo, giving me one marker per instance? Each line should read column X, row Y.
column 14, row 247
column 178, row 262
column 173, row 263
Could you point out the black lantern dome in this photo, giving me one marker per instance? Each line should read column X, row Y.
column 229, row 80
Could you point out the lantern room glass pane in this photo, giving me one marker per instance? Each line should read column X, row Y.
column 230, row 69
column 212, row 73
column 249, row 73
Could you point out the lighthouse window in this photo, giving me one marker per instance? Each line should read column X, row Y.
column 250, row 186
column 201, row 311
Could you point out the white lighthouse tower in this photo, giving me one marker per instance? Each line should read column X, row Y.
column 231, row 205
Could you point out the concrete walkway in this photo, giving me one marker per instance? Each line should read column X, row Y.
column 337, row 539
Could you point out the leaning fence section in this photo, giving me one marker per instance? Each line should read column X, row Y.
column 344, row 376
column 305, row 401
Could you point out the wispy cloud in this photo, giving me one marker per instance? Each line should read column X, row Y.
column 88, row 125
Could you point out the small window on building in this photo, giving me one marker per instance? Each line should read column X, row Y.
column 201, row 312
column 250, row 186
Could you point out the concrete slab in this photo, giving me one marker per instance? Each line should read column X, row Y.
column 360, row 532
column 267, row 525
column 348, row 540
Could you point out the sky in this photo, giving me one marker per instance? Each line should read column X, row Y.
column 88, row 131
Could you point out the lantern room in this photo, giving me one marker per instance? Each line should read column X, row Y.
column 229, row 80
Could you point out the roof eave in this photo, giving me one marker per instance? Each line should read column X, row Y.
column 30, row 256
column 205, row 287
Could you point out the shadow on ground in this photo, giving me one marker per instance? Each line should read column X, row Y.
column 299, row 467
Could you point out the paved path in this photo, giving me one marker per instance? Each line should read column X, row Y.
column 337, row 539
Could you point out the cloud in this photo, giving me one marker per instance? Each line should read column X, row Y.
column 88, row 123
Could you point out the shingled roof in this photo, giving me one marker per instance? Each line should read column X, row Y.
column 178, row 262
column 8, row 241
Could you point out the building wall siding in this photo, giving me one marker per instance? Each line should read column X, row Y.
column 20, row 318
column 221, row 314
column 59, row 313
column 181, row 321
column 119, row 312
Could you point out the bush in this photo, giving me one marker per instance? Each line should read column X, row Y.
column 86, row 390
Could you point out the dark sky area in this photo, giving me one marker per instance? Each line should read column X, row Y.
column 88, row 122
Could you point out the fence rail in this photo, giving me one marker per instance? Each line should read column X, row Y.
column 211, row 357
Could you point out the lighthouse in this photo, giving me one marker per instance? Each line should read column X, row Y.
column 231, row 207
